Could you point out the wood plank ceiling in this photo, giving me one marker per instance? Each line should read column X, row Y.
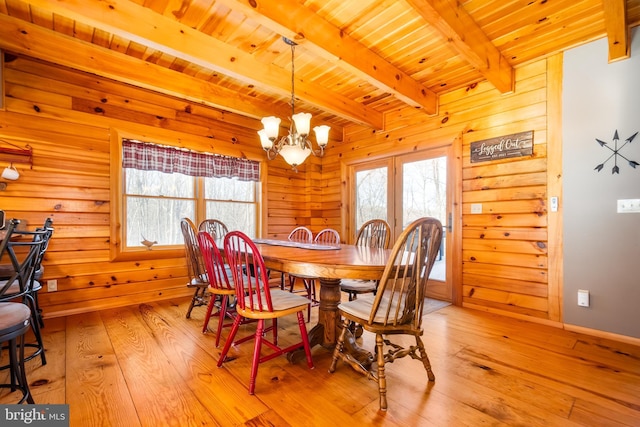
column 355, row 59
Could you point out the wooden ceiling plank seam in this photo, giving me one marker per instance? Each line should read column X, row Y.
column 467, row 38
column 142, row 25
column 350, row 53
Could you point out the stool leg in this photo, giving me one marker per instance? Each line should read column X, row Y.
column 23, row 374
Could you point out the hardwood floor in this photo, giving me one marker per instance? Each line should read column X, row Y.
column 147, row 365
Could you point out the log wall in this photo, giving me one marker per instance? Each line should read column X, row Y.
column 505, row 265
column 68, row 117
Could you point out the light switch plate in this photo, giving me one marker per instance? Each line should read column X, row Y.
column 476, row 208
column 583, row 298
column 554, row 203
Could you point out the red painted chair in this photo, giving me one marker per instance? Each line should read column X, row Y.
column 328, row 236
column 219, row 284
column 256, row 301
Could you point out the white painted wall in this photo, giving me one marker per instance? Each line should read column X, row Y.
column 601, row 247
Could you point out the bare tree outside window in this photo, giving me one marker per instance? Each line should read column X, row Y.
column 371, row 195
column 424, row 190
column 156, row 201
column 233, row 202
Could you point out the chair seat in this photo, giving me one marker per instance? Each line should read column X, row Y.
column 15, row 316
column 36, row 286
column 6, row 270
column 361, row 307
column 198, row 283
column 358, row 286
column 283, row 302
column 14, row 289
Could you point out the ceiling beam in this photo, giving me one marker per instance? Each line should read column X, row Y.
column 615, row 20
column 23, row 38
column 133, row 22
column 294, row 21
column 465, row 36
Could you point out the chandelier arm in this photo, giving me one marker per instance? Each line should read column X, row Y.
column 272, row 153
column 318, row 153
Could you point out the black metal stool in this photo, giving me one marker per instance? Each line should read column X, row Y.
column 15, row 321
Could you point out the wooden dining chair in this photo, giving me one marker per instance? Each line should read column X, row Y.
column 375, row 233
column 327, row 236
column 396, row 309
column 216, row 228
column 220, row 283
column 195, row 265
column 256, row 300
column 299, row 234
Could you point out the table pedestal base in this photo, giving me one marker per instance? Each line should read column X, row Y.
column 329, row 326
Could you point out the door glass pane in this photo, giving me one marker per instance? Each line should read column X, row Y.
column 371, row 195
column 424, row 193
column 424, row 190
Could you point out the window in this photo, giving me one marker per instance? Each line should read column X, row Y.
column 233, row 202
column 163, row 184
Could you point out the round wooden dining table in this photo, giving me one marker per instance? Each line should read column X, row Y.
column 328, row 266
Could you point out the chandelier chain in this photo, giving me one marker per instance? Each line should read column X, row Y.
column 293, row 71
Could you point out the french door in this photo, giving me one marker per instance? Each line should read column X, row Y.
column 402, row 189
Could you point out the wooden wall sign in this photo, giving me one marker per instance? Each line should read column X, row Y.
column 502, row 147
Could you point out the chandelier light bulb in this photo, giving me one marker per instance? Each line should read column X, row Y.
column 294, row 154
column 266, row 142
column 302, row 122
column 271, row 126
column 322, row 135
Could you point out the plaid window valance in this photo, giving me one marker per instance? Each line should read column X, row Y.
column 154, row 157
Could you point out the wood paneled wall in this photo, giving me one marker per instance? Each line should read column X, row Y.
column 505, row 265
column 68, row 117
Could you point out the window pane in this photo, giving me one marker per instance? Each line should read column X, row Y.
column 153, row 183
column 229, row 189
column 424, row 185
column 236, row 216
column 156, row 220
column 371, row 195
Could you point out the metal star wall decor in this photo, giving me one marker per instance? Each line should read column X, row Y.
column 616, row 152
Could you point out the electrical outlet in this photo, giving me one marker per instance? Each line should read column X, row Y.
column 52, row 285
column 476, row 208
column 628, row 205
